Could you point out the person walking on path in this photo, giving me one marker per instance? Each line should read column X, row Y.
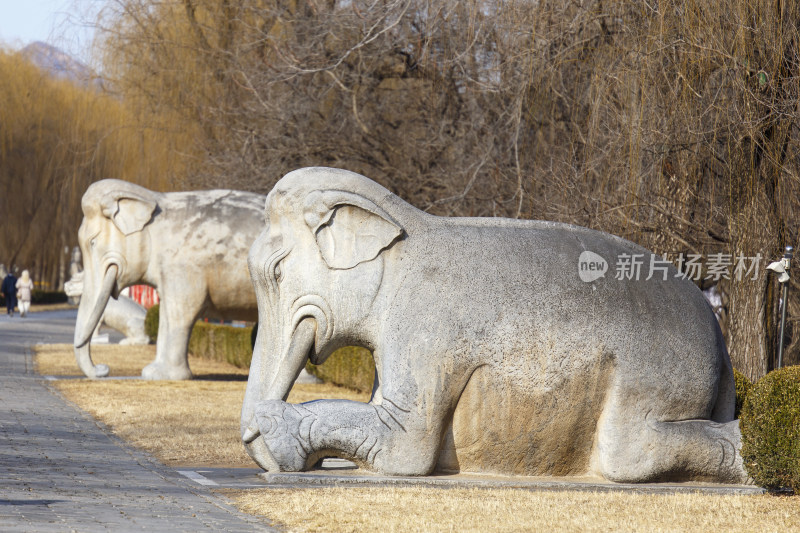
column 24, row 292
column 9, row 291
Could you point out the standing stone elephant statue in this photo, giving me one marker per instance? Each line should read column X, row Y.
column 501, row 346
column 191, row 246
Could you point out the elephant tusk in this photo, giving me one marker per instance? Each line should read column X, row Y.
column 293, row 361
column 83, row 336
column 289, row 367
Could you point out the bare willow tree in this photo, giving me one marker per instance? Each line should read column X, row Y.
column 271, row 86
column 672, row 122
column 719, row 98
column 55, row 139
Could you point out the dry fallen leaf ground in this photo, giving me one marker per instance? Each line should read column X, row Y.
column 196, row 423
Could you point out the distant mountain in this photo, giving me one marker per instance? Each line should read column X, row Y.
column 60, row 64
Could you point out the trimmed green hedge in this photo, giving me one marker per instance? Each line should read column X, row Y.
column 351, row 367
column 743, row 388
column 48, row 297
column 221, row 343
column 211, row 341
column 770, row 424
column 43, row 297
column 151, row 323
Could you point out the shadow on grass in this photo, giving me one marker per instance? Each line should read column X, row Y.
column 195, row 377
column 220, row 377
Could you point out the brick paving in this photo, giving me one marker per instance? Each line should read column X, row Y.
column 62, row 471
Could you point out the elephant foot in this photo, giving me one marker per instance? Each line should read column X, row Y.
column 101, row 370
column 285, row 428
column 159, row 371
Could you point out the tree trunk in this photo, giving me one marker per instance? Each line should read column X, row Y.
column 752, row 327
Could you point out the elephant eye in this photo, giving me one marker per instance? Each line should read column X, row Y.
column 273, row 271
column 92, row 242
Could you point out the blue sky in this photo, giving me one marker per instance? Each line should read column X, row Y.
column 57, row 22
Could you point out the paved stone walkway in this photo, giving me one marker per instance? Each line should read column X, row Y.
column 60, row 471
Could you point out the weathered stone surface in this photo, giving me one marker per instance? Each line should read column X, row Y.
column 190, row 246
column 494, row 351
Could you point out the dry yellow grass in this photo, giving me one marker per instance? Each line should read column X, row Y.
column 387, row 510
column 59, row 360
column 37, row 308
column 196, row 423
column 192, row 423
column 180, row 422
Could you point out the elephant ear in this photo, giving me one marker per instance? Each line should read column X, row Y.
column 349, row 228
column 129, row 210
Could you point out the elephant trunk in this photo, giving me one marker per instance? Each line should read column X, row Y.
column 271, row 378
column 89, row 315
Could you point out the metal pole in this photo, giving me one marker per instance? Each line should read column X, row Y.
column 784, row 304
column 784, row 294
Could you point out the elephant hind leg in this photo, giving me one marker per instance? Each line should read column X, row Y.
column 175, row 321
column 645, row 450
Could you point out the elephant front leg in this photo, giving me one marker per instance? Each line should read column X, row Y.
column 174, row 328
column 385, row 437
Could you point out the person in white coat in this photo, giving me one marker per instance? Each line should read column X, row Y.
column 24, row 292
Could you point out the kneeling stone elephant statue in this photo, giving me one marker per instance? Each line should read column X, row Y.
column 493, row 352
column 191, row 246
